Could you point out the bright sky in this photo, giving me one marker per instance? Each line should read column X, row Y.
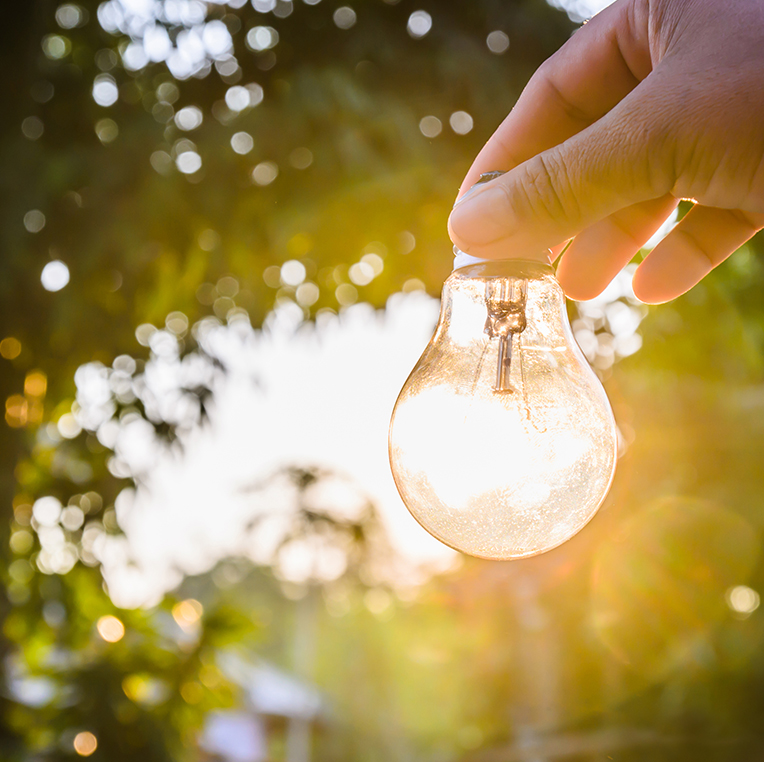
column 294, row 394
column 579, row 10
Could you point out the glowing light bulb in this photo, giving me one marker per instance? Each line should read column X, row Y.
column 502, row 441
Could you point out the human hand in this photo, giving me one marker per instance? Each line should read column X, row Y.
column 650, row 102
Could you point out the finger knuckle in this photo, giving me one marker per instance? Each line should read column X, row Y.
column 644, row 146
column 548, row 188
column 708, row 255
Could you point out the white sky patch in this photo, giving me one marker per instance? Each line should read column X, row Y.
column 295, row 394
column 146, row 22
column 580, row 10
column 663, row 230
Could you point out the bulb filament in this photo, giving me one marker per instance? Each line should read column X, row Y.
column 505, row 302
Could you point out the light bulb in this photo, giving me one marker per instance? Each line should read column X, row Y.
column 502, row 441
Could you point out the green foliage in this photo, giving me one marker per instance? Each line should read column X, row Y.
column 141, row 689
column 461, row 666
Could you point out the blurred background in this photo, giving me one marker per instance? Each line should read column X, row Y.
column 223, row 238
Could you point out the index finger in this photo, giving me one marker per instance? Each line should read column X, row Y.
column 590, row 74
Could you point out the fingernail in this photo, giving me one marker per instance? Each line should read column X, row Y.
column 483, row 219
column 486, row 177
column 465, row 196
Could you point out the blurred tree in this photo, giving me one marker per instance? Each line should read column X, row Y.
column 99, row 147
column 139, row 189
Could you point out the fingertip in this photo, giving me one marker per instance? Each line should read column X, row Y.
column 482, row 227
column 480, row 219
column 457, row 228
column 580, row 296
column 651, row 290
column 671, row 269
column 704, row 238
column 578, row 279
column 456, row 239
column 579, row 292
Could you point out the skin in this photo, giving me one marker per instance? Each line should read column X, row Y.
column 650, row 102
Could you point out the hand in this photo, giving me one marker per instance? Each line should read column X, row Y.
column 650, row 102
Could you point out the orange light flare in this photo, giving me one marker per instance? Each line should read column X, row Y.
column 187, row 614
column 110, row 629
column 85, row 743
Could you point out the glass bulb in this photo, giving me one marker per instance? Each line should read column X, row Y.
column 502, row 441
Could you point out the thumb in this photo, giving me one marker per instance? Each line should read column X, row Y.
column 620, row 160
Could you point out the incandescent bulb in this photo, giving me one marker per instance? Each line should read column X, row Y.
column 502, row 441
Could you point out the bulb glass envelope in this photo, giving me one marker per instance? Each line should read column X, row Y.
column 503, row 442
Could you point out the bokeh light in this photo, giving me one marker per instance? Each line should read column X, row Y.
column 188, row 162
column 292, row 273
column 237, row 98
column 145, row 690
column 161, row 161
column 54, row 276
column 345, row 17
column 498, row 42
column 265, row 172
column 261, row 38
column 56, row 46
column 461, row 122
column 301, row 158
column 69, row 16
column 189, row 118
column 32, row 128
column 742, row 599
column 16, row 411
column 307, row 294
column 10, row 348
column 430, row 126
column 35, row 384
column 68, row 426
column 110, row 629
column 85, row 743
column 34, row 220
column 419, row 24
column 187, row 613
column 105, row 92
column 106, row 59
column 106, row 130
column 242, row 142
column 42, row 91
column 47, row 510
